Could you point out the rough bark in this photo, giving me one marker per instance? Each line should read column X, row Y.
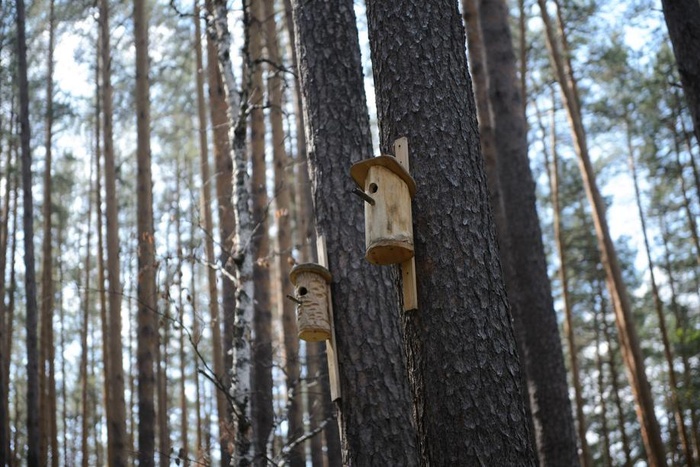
column 261, row 398
column 224, row 195
column 529, row 289
column 553, row 174
column 146, row 316
column 116, row 422
column 683, row 22
column 283, row 255
column 462, row 326
column 629, row 341
column 374, row 407
column 34, row 431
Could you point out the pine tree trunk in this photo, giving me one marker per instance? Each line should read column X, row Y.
column 161, row 366
column 629, row 341
column 529, row 289
column 366, row 309
column 261, row 398
column 284, row 239
column 34, row 432
column 116, row 422
column 183, row 452
column 224, row 196
column 692, row 226
column 553, row 174
column 683, row 22
column 658, row 306
column 84, row 356
column 146, row 317
column 607, row 456
column 448, row 333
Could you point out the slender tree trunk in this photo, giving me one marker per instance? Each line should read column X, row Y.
column 607, row 456
column 183, row 452
column 284, row 239
column 658, row 306
column 34, row 432
column 224, row 195
column 450, row 331
column 48, row 418
column 338, row 134
column 631, row 351
column 241, row 257
column 161, row 363
column 146, row 317
column 116, row 421
column 261, row 398
column 692, row 226
column 683, row 22
column 553, row 174
column 529, row 289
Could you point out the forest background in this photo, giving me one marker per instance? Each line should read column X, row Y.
column 141, row 170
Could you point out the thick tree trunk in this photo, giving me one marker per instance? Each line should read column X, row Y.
column 261, row 398
column 284, row 239
column 553, row 174
column 529, row 289
column 116, row 421
column 146, row 317
column 34, row 432
column 224, row 195
column 683, row 22
column 462, row 325
column 629, row 341
column 374, row 406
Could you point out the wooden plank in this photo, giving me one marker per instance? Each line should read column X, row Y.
column 408, row 267
column 331, row 354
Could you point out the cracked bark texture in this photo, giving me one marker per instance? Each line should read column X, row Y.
column 374, row 410
column 461, row 353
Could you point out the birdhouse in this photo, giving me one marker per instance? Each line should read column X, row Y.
column 312, row 295
column 387, row 188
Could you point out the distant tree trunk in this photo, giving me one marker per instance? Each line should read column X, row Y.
column 683, row 22
column 692, row 226
column 456, row 325
column 658, row 306
column 183, row 452
column 284, row 239
column 631, row 351
column 365, row 306
column 529, row 289
column 161, row 367
column 261, row 398
column 34, row 432
column 116, row 422
column 607, row 456
column 553, row 175
column 146, row 317
column 224, row 195
column 241, row 256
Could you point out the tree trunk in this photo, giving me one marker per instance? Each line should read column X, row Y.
column 241, row 258
column 631, row 351
column 183, row 453
column 224, row 195
column 34, row 432
column 607, row 456
column 529, row 289
column 692, row 226
column 261, row 398
column 366, row 309
column 553, row 174
column 116, row 422
column 658, row 306
column 463, row 315
column 84, row 406
column 683, row 22
column 146, row 317
column 48, row 418
column 284, row 240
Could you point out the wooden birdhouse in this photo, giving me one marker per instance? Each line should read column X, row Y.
column 312, row 296
column 387, row 188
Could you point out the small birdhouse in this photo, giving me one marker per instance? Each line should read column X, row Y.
column 311, row 294
column 387, row 188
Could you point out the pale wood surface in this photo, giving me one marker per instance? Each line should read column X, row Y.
column 331, row 354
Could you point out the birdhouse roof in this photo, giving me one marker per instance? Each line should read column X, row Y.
column 309, row 267
column 359, row 171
